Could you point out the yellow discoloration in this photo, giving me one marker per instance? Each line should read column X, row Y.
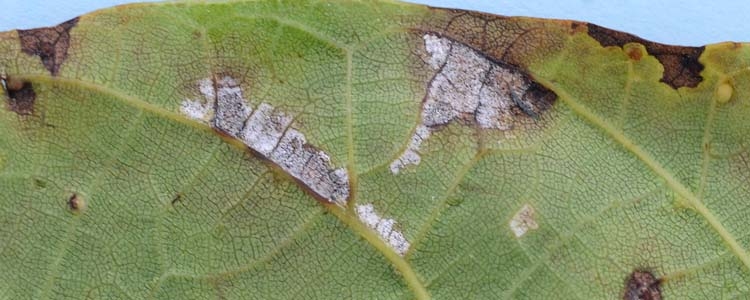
column 724, row 92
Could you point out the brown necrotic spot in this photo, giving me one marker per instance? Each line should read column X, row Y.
column 635, row 53
column 681, row 65
column 50, row 44
column 20, row 96
column 270, row 133
column 76, row 203
column 642, row 285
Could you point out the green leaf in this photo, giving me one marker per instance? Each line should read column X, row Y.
column 376, row 150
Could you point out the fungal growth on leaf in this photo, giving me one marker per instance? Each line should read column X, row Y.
column 681, row 65
column 469, row 87
column 50, row 44
column 270, row 133
column 384, row 227
column 523, row 221
column 171, row 151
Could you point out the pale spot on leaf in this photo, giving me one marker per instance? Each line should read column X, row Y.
column 384, row 228
column 470, row 87
column 269, row 132
column 523, row 221
column 411, row 156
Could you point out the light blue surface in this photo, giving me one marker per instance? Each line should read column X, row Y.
column 687, row 22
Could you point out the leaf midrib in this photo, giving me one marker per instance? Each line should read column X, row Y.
column 689, row 199
column 346, row 216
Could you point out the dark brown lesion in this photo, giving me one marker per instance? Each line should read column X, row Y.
column 76, row 204
column 681, row 65
column 177, row 198
column 516, row 41
column 529, row 98
column 50, row 44
column 642, row 285
column 19, row 96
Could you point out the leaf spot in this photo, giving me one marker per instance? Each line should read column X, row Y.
column 177, row 198
column 523, row 221
column 634, row 52
column 642, row 285
column 384, row 228
column 20, row 96
column 681, row 65
column 195, row 110
column 50, row 44
column 230, row 109
column 470, row 87
column 268, row 132
column 76, row 203
column 724, row 92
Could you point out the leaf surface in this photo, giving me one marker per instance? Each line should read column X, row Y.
column 377, row 150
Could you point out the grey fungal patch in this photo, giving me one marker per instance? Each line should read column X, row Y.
column 468, row 86
column 270, row 133
column 195, row 110
column 682, row 66
column 311, row 166
column 385, row 228
column 642, row 285
column 19, row 95
column 411, row 156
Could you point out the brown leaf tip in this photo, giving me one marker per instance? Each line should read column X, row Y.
column 681, row 65
column 270, row 133
column 50, row 44
column 642, row 285
column 20, row 96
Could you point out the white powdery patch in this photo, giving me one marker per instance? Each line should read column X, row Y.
column 195, row 110
column 469, row 87
column 411, row 156
column 269, row 132
column 523, row 221
column 265, row 128
column 384, row 228
column 202, row 109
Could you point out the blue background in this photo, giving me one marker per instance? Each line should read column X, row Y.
column 688, row 22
